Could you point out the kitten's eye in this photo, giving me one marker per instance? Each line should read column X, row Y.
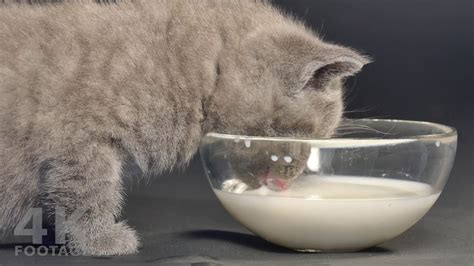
column 274, row 158
column 288, row 159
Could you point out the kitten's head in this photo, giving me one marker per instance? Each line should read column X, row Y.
column 281, row 81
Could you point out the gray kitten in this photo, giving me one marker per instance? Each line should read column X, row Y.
column 85, row 86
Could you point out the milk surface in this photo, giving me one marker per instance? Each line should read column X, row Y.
column 337, row 213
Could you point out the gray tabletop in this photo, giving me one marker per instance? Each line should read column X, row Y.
column 182, row 223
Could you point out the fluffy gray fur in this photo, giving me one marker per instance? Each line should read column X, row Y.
column 84, row 86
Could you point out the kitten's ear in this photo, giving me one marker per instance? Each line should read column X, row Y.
column 343, row 63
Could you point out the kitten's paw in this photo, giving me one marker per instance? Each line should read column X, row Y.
column 234, row 185
column 118, row 239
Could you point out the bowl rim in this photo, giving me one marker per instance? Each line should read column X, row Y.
column 449, row 132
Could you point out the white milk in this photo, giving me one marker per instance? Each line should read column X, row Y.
column 332, row 213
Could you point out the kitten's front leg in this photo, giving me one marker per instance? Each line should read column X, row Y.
column 234, row 185
column 86, row 181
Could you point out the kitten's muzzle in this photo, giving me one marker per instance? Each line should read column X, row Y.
column 275, row 182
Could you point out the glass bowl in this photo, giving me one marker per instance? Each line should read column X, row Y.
column 339, row 194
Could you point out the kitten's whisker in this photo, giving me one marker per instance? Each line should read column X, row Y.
column 361, row 128
column 360, row 110
column 348, row 127
column 340, row 134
